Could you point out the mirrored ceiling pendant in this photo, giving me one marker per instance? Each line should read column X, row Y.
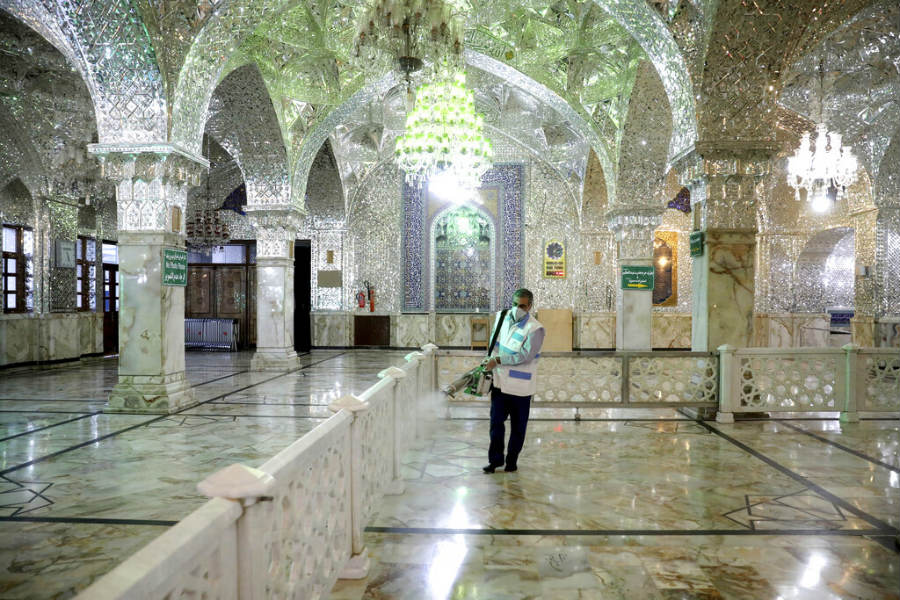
column 204, row 227
column 821, row 166
column 445, row 137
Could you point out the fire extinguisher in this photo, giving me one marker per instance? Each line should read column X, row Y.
column 370, row 291
column 361, row 299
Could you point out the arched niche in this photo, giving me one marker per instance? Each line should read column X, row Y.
column 826, row 270
column 463, row 259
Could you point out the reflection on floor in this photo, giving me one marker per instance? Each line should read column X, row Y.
column 81, row 490
column 619, row 504
column 644, row 504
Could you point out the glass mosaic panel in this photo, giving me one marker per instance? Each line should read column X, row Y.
column 463, row 246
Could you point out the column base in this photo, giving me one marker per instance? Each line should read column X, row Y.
column 151, row 394
column 357, row 567
column 278, row 360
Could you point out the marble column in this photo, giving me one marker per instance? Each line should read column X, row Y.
column 151, row 192
column 634, row 229
column 726, row 182
column 276, row 230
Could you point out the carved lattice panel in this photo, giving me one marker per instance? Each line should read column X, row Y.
column 582, row 379
column 881, row 376
column 377, row 450
column 789, row 383
column 673, row 379
column 214, row 577
column 307, row 523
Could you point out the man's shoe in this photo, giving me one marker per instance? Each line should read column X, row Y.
column 490, row 468
column 510, row 468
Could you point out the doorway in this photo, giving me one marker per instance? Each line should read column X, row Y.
column 110, row 306
column 302, row 292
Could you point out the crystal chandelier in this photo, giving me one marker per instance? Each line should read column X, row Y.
column 444, row 135
column 824, row 171
column 410, row 32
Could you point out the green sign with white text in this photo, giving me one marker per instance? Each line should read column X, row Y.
column 637, row 278
column 174, row 270
column 697, row 239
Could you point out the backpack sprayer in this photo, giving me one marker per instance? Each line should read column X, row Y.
column 477, row 381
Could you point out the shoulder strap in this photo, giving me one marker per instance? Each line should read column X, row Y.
column 497, row 330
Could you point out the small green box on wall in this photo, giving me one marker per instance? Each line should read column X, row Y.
column 637, row 277
column 697, row 242
column 174, row 270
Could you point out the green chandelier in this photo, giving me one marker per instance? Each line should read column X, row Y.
column 444, row 135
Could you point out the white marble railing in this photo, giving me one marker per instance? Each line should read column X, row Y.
column 294, row 526
column 849, row 380
column 614, row 379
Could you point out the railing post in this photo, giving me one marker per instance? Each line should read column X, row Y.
column 418, row 358
column 358, row 565
column 851, row 389
column 396, row 486
column 246, row 485
column 728, row 384
column 429, row 351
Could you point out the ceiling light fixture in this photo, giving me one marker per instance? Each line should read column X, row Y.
column 825, row 170
column 444, row 135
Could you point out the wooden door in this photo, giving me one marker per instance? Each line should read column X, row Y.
column 110, row 309
column 199, row 294
column 231, row 297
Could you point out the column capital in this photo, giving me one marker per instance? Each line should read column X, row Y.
column 149, row 162
column 633, row 228
column 276, row 229
column 724, row 159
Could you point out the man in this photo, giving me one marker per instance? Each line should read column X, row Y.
column 514, row 363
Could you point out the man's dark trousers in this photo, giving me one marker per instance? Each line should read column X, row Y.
column 516, row 408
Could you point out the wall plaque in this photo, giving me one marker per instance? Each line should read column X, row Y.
column 174, row 270
column 65, row 254
column 637, row 277
column 554, row 259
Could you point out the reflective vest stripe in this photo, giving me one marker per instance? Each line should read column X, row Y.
column 519, row 374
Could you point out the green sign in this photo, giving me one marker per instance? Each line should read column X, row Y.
column 697, row 239
column 174, row 267
column 637, row 278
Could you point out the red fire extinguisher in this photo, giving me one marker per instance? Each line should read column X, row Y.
column 361, row 299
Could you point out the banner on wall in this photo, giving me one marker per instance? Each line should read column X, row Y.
column 554, row 259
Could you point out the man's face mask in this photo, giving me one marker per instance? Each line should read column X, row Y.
column 518, row 312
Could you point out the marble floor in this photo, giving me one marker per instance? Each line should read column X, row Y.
column 80, row 490
column 649, row 504
column 619, row 504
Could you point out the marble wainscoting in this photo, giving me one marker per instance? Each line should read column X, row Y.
column 595, row 330
column 332, row 329
column 671, row 330
column 411, row 330
column 27, row 338
column 791, row 330
column 453, row 330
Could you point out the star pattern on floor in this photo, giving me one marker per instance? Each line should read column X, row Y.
column 803, row 509
column 20, row 497
column 191, row 421
column 689, row 428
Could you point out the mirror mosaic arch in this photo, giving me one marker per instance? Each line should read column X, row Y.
column 234, row 22
column 108, row 43
column 242, row 117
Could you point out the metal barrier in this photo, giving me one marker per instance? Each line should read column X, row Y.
column 607, row 379
column 212, row 334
